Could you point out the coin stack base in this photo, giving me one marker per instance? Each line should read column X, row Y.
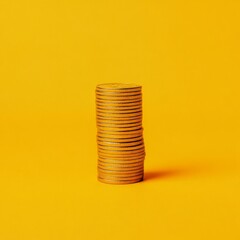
column 121, row 150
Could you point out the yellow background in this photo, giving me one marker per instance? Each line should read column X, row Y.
column 185, row 54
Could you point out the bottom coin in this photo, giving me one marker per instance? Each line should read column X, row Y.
column 120, row 178
column 119, row 182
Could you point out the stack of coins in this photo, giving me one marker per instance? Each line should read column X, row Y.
column 120, row 142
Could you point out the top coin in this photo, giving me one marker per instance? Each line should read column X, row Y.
column 118, row 86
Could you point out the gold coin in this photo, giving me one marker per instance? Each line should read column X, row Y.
column 110, row 104
column 120, row 170
column 117, row 93
column 111, row 120
column 118, row 125
column 120, row 154
column 120, row 140
column 112, row 154
column 119, row 178
column 117, row 115
column 121, row 163
column 128, row 128
column 120, row 174
column 127, row 166
column 121, row 136
column 112, row 125
column 119, row 98
column 118, row 108
column 112, row 93
column 123, row 176
column 119, row 129
column 120, row 122
column 128, row 161
column 128, row 158
column 122, row 159
column 117, row 152
column 118, row 87
column 123, row 122
column 130, row 165
column 109, row 131
column 121, row 114
column 120, row 148
column 134, row 102
column 119, row 159
column 117, row 182
column 117, row 135
column 121, row 167
column 120, row 101
column 112, row 178
column 113, row 133
column 116, row 144
column 131, row 144
column 116, row 111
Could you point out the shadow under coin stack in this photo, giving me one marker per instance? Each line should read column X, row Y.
column 120, row 141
